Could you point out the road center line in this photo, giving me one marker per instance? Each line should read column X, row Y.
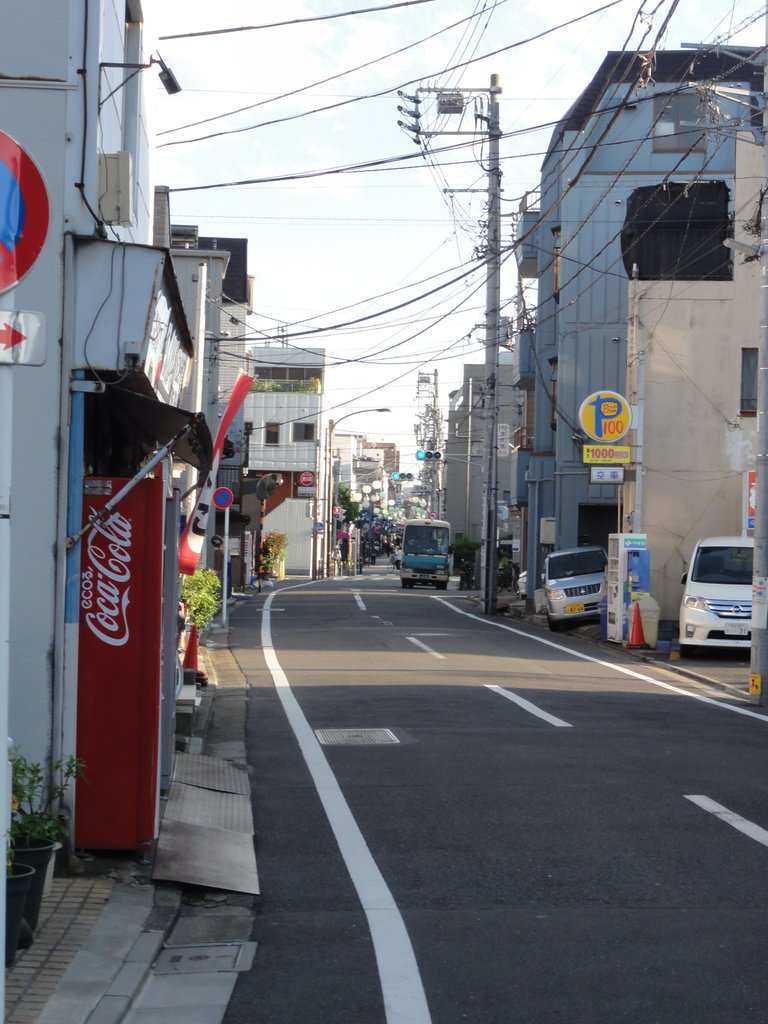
column 528, row 706
column 405, row 1001
column 608, row 664
column 424, row 647
column 749, row 828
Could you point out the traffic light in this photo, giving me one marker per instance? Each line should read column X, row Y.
column 266, row 485
column 428, row 455
column 402, row 476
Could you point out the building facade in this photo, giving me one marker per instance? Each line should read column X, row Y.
column 647, row 175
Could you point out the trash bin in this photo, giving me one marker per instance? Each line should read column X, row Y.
column 649, row 617
column 603, row 610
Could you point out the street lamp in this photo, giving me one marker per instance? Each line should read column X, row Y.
column 331, row 490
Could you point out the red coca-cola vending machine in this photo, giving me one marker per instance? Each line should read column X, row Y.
column 119, row 667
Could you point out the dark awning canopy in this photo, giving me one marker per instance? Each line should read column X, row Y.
column 157, row 423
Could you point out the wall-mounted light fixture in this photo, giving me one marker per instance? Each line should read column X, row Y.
column 166, row 76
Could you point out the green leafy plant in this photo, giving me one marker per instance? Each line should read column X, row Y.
column 273, row 547
column 36, row 797
column 201, row 593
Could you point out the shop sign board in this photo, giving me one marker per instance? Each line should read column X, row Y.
column 606, row 454
column 605, row 416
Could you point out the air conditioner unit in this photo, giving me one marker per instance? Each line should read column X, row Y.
column 116, row 188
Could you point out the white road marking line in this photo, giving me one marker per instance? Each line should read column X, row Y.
column 607, row 664
column 749, row 828
column 528, row 706
column 425, row 648
column 360, row 602
column 405, row 1001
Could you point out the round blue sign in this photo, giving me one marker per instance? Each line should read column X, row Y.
column 223, row 497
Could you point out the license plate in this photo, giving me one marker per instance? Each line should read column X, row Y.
column 577, row 606
column 736, row 629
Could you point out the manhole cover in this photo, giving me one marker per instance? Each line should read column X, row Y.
column 206, row 957
column 355, row 737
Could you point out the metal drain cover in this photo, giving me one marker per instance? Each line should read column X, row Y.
column 355, row 737
column 206, row 957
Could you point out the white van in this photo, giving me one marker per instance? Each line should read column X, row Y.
column 716, row 609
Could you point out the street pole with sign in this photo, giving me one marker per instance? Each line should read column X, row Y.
column 222, row 499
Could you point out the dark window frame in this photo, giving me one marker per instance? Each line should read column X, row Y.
column 748, row 393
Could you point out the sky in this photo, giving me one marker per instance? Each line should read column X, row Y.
column 360, row 241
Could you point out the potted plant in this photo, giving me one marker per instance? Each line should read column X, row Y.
column 273, row 548
column 37, row 826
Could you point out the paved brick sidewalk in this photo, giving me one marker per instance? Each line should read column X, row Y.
column 67, row 916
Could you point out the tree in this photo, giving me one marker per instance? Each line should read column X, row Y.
column 351, row 508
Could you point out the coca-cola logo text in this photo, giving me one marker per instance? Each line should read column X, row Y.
column 105, row 584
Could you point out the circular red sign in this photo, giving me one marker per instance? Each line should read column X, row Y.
column 307, row 478
column 23, row 212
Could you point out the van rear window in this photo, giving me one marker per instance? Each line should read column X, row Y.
column 723, row 565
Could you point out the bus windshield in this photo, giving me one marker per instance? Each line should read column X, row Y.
column 425, row 540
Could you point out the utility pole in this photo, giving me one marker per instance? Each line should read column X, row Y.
column 758, row 669
column 489, row 561
column 452, row 102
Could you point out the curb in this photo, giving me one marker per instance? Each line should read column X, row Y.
column 108, row 972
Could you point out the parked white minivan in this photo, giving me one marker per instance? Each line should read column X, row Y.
column 716, row 607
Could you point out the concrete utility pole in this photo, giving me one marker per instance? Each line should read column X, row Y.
column 489, row 561
column 759, row 656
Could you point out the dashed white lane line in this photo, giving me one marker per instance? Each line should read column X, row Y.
column 721, row 705
column 528, row 706
column 405, row 1001
column 749, row 828
column 424, row 647
column 360, row 602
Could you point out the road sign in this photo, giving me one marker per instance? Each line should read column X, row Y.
column 22, row 337
column 223, row 497
column 24, row 212
column 307, row 478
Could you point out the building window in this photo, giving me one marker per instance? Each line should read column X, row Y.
column 271, row 433
column 553, row 394
column 674, row 231
column 556, row 264
column 303, row 431
column 673, row 119
column 748, row 404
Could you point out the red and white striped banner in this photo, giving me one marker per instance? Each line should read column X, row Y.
column 193, row 537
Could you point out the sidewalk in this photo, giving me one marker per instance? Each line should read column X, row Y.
column 113, row 946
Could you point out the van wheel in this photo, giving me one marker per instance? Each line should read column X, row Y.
column 688, row 650
column 554, row 624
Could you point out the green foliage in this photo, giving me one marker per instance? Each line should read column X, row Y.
column 35, row 798
column 201, row 593
column 464, row 551
column 273, row 547
column 351, row 508
column 311, row 386
column 505, row 573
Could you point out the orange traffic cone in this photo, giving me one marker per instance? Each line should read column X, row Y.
column 636, row 635
column 190, row 654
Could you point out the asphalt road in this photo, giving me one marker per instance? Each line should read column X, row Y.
column 534, row 832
